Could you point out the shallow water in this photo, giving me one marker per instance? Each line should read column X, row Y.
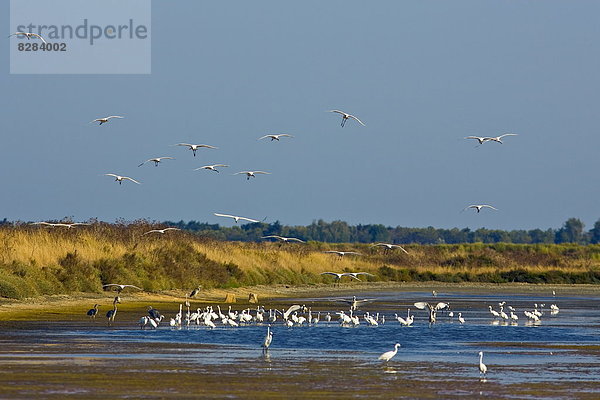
column 558, row 358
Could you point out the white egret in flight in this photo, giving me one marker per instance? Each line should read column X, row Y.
column 346, row 116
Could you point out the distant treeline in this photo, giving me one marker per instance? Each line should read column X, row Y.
column 340, row 232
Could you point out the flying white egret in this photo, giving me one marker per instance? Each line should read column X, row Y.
column 433, row 309
column 212, row 167
column 251, row 174
column 342, row 253
column 156, row 160
column 480, row 139
column 338, row 275
column 283, row 239
column 194, row 147
column 120, row 287
column 120, row 178
column 29, row 35
column 162, row 231
column 499, row 138
column 478, row 207
column 390, row 246
column 346, row 116
column 355, row 274
column 236, row 218
column 275, row 137
column 355, row 303
column 60, row 224
column 387, row 356
column 482, row 366
column 105, row 119
column 286, row 314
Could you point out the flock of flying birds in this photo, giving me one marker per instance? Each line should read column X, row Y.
column 252, row 174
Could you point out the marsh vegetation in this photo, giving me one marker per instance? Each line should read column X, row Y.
column 38, row 260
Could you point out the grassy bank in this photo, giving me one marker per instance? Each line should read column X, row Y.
column 38, row 261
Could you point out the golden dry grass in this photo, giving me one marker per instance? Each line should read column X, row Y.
column 40, row 260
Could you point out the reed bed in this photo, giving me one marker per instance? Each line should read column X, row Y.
column 37, row 260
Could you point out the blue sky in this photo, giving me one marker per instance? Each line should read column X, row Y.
column 421, row 75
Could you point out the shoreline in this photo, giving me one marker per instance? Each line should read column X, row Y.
column 65, row 305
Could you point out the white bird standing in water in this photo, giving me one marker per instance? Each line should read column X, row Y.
column 482, row 366
column 268, row 339
column 387, row 356
column 346, row 116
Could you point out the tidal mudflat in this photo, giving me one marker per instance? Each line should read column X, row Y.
column 555, row 358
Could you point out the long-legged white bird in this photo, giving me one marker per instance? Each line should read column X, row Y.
column 105, row 119
column 275, row 136
column 29, row 35
column 387, row 356
column 478, row 207
column 251, row 174
column 211, row 167
column 156, row 160
column 268, row 339
column 194, row 147
column 346, row 116
column 236, row 218
column 120, row 178
column 482, row 366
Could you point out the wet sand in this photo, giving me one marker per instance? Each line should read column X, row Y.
column 47, row 352
column 64, row 305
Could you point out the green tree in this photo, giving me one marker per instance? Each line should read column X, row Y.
column 595, row 233
column 571, row 232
